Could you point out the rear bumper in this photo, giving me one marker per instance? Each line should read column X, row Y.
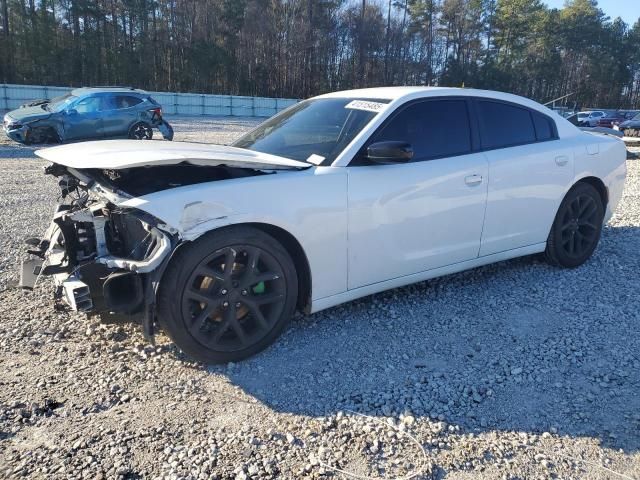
column 615, row 185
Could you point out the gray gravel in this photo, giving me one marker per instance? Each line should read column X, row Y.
column 515, row 370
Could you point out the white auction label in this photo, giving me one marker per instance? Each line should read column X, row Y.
column 315, row 159
column 365, row 105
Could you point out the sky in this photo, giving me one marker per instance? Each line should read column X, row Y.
column 628, row 10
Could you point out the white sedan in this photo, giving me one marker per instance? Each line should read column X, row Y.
column 590, row 119
column 338, row 197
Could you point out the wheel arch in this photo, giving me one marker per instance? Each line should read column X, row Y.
column 595, row 182
column 298, row 255
column 58, row 125
column 44, row 125
column 293, row 246
column 599, row 185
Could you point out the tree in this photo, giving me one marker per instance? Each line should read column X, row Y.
column 298, row 48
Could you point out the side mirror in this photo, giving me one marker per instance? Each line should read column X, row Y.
column 72, row 111
column 390, row 152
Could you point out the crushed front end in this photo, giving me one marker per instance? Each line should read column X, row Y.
column 103, row 258
column 15, row 130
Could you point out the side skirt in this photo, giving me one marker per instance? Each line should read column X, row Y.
column 327, row 302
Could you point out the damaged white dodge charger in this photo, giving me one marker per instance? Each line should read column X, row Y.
column 338, row 197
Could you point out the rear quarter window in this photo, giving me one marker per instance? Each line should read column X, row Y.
column 544, row 127
column 504, row 125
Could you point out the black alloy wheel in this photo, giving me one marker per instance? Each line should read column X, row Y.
column 228, row 296
column 141, row 131
column 234, row 297
column 577, row 227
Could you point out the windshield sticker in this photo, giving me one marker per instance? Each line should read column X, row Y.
column 365, row 105
column 315, row 159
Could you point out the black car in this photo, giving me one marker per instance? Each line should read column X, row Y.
column 631, row 127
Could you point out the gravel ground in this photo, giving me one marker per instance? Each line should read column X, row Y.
column 514, row 370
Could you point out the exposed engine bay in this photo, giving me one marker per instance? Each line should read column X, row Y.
column 140, row 181
column 106, row 258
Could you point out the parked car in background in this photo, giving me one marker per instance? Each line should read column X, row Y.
column 614, row 118
column 630, row 127
column 574, row 119
column 88, row 114
column 218, row 245
column 590, row 119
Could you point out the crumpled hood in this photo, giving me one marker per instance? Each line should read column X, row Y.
column 29, row 114
column 118, row 154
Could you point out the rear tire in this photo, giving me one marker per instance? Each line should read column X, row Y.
column 576, row 230
column 228, row 295
column 141, row 131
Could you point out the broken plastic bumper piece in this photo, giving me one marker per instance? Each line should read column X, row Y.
column 77, row 294
column 29, row 271
column 82, row 251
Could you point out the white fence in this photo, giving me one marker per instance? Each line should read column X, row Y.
column 12, row 96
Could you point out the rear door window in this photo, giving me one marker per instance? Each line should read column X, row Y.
column 435, row 128
column 109, row 103
column 504, row 125
column 126, row 101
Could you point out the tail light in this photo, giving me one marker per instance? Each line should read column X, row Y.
column 157, row 111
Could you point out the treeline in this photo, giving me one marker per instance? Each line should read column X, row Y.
column 298, row 48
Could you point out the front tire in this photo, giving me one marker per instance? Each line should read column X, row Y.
column 39, row 135
column 228, row 295
column 576, row 230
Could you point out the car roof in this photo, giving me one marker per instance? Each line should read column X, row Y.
column 395, row 93
column 78, row 92
column 388, row 93
column 401, row 94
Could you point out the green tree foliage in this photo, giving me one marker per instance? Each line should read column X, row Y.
column 304, row 47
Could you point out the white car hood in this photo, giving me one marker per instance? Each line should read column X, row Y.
column 117, row 154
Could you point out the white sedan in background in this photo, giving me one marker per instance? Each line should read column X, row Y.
column 338, row 197
column 590, row 119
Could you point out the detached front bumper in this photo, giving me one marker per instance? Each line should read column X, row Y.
column 101, row 261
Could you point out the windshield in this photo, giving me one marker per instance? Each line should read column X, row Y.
column 323, row 127
column 58, row 104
